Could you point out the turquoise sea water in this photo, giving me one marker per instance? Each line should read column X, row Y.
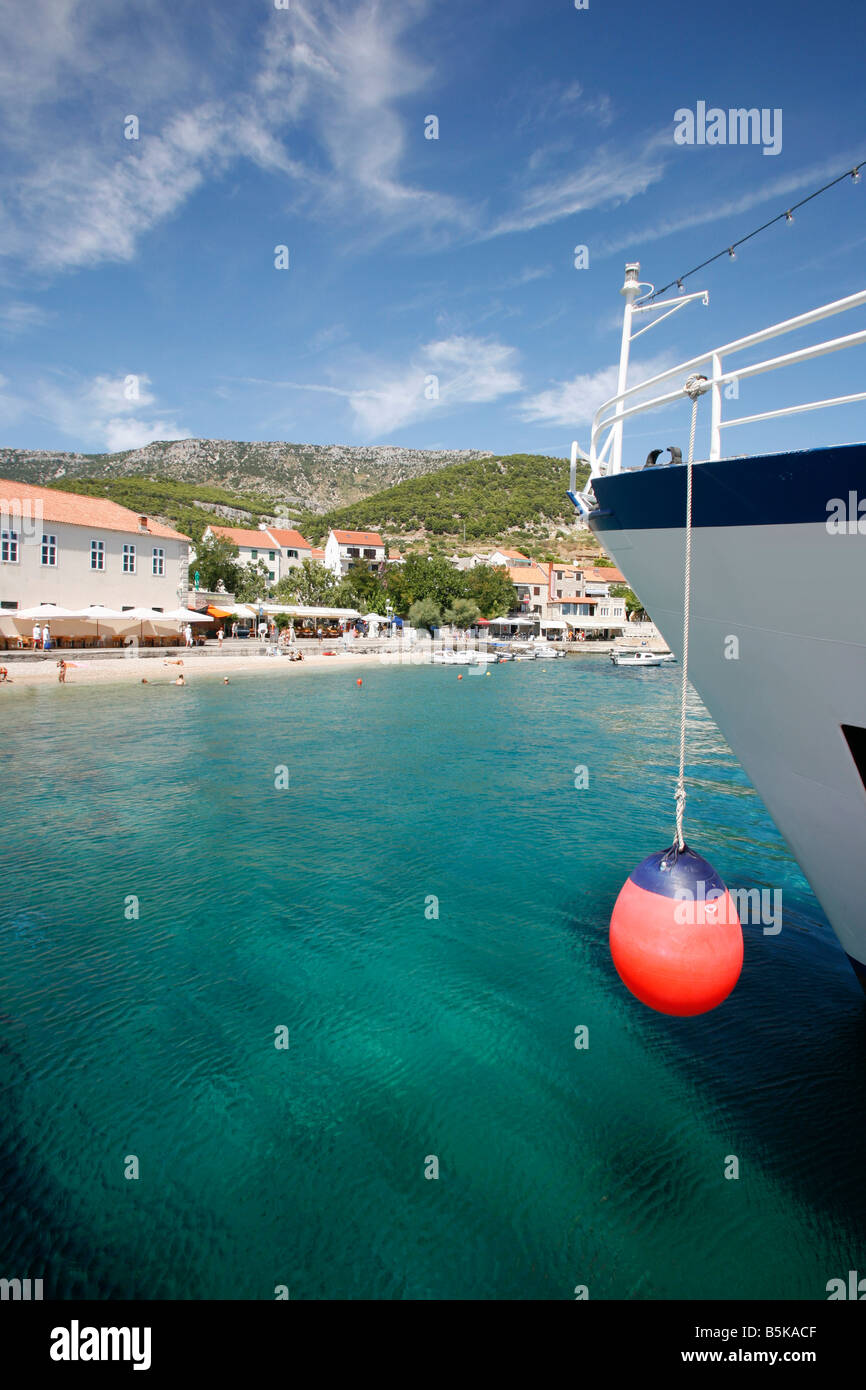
column 411, row 1034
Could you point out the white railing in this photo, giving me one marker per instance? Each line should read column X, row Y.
column 607, row 424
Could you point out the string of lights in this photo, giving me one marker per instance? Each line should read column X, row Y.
column 787, row 216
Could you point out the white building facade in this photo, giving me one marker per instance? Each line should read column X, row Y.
column 279, row 550
column 346, row 548
column 73, row 550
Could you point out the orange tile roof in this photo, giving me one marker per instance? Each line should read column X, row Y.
column 358, row 537
column 255, row 540
column 395, row 555
column 317, row 553
column 290, row 538
column 526, row 575
column 80, row 510
column 605, row 575
column 513, row 554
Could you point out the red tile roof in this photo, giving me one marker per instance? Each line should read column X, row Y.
column 604, row 575
column 79, row 510
column 317, row 553
column 289, row 539
column 250, row 540
column 358, row 537
column 513, row 555
column 527, row 574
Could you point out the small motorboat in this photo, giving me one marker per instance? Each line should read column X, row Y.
column 640, row 656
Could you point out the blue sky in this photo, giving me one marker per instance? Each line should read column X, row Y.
column 409, row 257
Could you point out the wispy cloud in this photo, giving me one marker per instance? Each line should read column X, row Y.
column 336, row 71
column 575, row 401
column 698, row 215
column 99, row 413
column 612, row 176
column 17, row 317
column 527, row 276
column 442, row 375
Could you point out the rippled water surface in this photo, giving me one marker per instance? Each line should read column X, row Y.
column 411, row 1034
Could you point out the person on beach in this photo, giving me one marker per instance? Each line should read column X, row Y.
column 46, row 639
column 187, row 635
column 172, row 661
column 220, row 635
column 61, row 671
column 4, row 677
column 37, row 636
column 234, row 630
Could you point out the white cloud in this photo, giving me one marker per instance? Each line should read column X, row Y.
column 99, row 413
column 611, row 177
column 134, row 434
column 77, row 193
column 18, row 318
column 526, row 277
column 468, row 371
column 574, row 402
column 704, row 212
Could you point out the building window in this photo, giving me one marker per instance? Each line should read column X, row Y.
column 9, row 547
column 97, row 555
column 369, row 554
column 158, row 561
column 271, row 576
column 49, row 550
column 129, row 559
column 292, row 554
column 536, row 592
column 272, row 555
column 254, row 554
column 352, row 549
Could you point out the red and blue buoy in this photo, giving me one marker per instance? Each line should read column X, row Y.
column 675, row 936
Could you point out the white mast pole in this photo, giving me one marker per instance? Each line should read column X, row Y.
column 630, row 291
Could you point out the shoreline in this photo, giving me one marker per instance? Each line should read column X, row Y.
column 133, row 670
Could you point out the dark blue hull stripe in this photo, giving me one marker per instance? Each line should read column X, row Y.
column 814, row 485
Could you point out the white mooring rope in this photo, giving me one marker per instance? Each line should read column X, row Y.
column 694, row 388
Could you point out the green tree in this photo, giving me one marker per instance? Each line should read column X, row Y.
column 490, row 587
column 632, row 602
column 425, row 612
column 362, row 588
column 253, row 582
column 307, row 583
column 423, row 576
column 215, row 560
column 462, row 613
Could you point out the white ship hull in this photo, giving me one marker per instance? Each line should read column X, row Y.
column 777, row 638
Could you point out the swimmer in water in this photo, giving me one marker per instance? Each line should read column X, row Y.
column 180, row 680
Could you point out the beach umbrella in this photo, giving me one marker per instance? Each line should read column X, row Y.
column 42, row 610
column 97, row 613
column 142, row 616
column 187, row 615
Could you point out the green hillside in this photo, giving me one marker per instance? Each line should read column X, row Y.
column 491, row 496
column 189, row 507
